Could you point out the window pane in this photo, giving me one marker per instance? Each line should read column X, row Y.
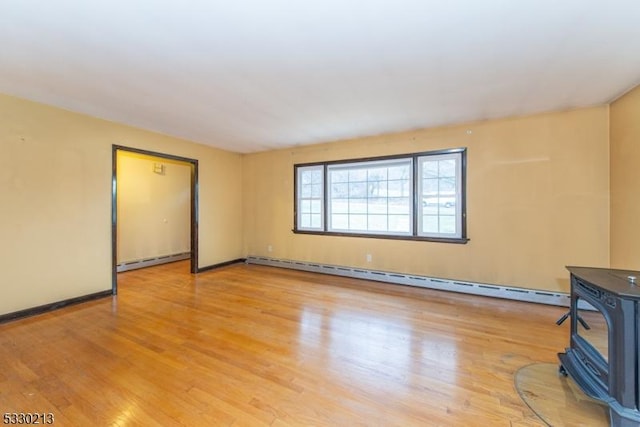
column 400, row 172
column 316, row 177
column 339, row 176
column 357, row 206
column 358, row 222
column 382, row 189
column 430, row 186
column 358, row 189
column 378, row 222
column 377, row 188
column 316, row 191
column 429, row 169
column 378, row 206
column 400, row 205
column 340, row 206
column 447, row 185
column 447, row 168
column 430, row 206
column 400, row 223
column 340, row 222
column 430, row 224
column 356, row 175
column 447, row 205
column 447, row 224
column 340, row 191
column 377, row 174
column 398, row 188
column 440, row 210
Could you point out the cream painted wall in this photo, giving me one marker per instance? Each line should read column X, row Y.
column 55, row 187
column 154, row 209
column 538, row 200
column 625, row 181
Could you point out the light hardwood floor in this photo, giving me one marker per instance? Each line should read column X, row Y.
column 251, row 345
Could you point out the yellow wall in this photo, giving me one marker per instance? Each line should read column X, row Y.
column 625, row 181
column 154, row 207
column 538, row 200
column 55, row 209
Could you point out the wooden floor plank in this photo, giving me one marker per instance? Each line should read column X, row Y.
column 255, row 345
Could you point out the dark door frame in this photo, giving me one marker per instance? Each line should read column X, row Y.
column 114, row 207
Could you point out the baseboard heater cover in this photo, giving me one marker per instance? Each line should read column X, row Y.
column 512, row 293
column 148, row 262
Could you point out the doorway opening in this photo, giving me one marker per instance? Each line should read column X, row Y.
column 158, row 166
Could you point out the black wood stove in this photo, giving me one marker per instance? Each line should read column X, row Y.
column 613, row 378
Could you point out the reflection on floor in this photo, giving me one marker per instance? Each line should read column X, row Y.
column 249, row 345
column 556, row 399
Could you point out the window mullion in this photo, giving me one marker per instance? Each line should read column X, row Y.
column 415, row 169
column 325, row 197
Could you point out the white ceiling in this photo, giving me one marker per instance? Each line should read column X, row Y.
column 253, row 75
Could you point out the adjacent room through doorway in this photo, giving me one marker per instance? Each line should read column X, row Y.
column 154, row 210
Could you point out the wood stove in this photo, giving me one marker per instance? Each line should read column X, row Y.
column 614, row 377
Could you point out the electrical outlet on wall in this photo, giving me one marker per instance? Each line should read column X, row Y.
column 269, row 248
column 369, row 257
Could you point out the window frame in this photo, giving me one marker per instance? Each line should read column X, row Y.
column 367, row 166
column 323, row 199
column 415, row 198
column 458, row 204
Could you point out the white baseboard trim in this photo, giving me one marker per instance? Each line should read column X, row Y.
column 148, row 262
column 506, row 292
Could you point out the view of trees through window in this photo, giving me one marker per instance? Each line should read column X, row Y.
column 375, row 197
column 415, row 196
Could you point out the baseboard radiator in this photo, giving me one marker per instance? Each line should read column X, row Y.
column 487, row 290
column 148, row 262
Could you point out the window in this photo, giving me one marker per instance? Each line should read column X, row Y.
column 440, row 210
column 370, row 197
column 416, row 196
column 310, row 195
